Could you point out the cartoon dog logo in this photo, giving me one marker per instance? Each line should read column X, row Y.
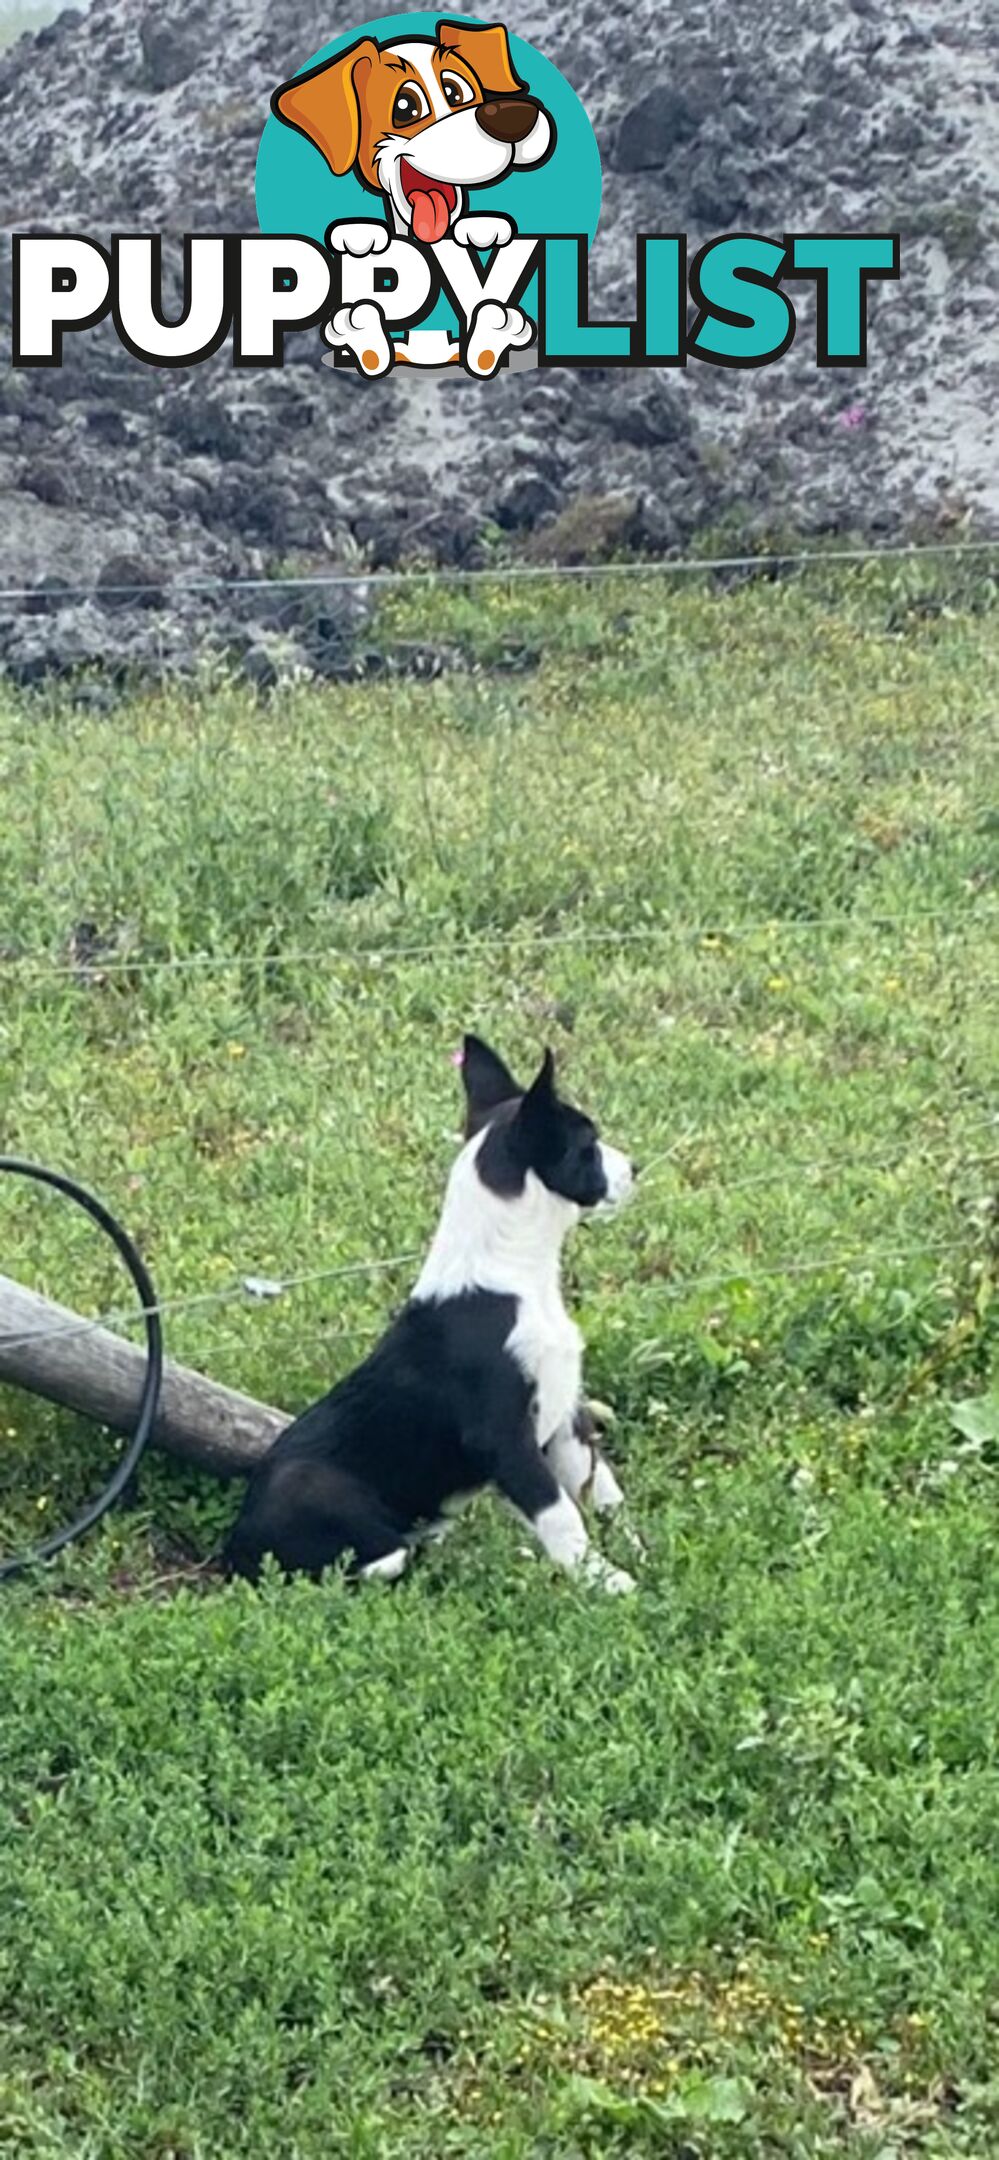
column 422, row 121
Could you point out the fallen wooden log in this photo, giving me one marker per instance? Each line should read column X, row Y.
column 56, row 1353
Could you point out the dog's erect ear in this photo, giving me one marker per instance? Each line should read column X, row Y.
column 486, row 52
column 325, row 104
column 487, row 1083
column 540, row 1096
column 543, row 1083
column 534, row 1132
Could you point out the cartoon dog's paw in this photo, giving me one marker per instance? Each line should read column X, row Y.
column 361, row 328
column 358, row 236
column 483, row 231
column 493, row 330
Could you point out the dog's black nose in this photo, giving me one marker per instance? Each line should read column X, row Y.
column 508, row 119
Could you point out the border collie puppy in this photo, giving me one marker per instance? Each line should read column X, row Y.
column 476, row 1383
column 573, row 1451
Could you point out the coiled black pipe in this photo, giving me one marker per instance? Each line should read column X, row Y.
column 149, row 1398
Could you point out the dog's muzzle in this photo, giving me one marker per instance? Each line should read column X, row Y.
column 619, row 1176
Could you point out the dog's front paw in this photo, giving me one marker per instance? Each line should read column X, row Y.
column 358, row 236
column 493, row 330
column 602, row 1576
column 483, row 231
column 361, row 328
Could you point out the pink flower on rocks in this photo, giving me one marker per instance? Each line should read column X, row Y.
column 855, row 416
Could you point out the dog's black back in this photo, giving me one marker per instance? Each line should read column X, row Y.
column 389, row 1445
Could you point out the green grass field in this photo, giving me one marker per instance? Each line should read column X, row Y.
column 489, row 1865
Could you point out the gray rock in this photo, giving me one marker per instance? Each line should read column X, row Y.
column 528, row 498
column 125, row 581
column 652, row 129
column 169, row 52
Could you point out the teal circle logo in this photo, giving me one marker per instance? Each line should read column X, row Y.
column 500, row 131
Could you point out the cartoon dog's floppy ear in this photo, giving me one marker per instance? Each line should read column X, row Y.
column 487, row 1083
column 325, row 103
column 486, row 52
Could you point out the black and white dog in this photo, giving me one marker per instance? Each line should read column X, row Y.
column 478, row 1380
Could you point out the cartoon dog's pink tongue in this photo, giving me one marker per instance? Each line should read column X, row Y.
column 429, row 215
column 432, row 203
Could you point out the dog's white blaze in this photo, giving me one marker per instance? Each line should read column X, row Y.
column 417, row 52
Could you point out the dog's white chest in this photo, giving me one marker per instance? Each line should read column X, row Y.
column 548, row 1348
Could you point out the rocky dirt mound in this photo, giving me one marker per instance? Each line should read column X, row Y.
column 710, row 119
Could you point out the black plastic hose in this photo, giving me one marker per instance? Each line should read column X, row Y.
column 149, row 1399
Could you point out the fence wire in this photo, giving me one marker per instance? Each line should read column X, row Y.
column 92, row 968
column 512, row 573
column 248, row 1289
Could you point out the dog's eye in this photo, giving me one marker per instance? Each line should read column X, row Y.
column 410, row 106
column 457, row 91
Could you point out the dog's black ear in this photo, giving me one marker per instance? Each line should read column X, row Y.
column 541, row 1093
column 487, row 1083
column 487, row 1080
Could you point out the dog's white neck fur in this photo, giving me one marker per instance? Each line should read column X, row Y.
column 484, row 1242
column 512, row 1247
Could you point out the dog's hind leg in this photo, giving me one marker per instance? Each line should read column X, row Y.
column 308, row 1515
column 389, row 1567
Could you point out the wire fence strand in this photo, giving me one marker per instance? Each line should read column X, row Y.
column 173, row 589
column 809, row 1167
column 248, row 1289
column 91, row 967
column 672, row 1287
